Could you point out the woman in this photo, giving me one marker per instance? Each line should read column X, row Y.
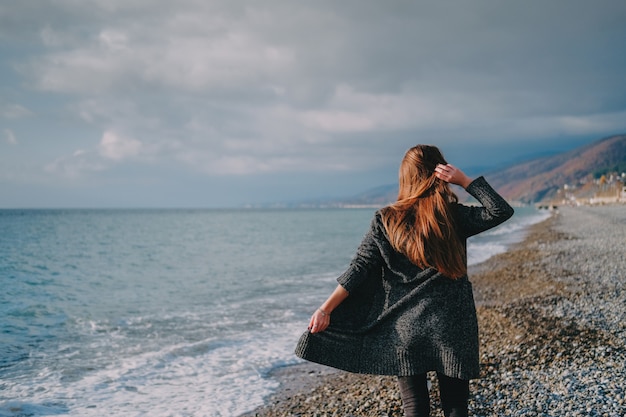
column 405, row 305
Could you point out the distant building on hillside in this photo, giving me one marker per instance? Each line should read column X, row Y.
column 608, row 189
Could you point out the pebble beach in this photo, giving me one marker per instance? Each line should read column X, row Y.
column 552, row 318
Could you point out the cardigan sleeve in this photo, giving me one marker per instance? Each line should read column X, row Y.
column 367, row 260
column 494, row 211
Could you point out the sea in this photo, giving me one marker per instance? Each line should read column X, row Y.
column 174, row 312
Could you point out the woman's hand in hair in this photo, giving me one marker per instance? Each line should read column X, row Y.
column 453, row 175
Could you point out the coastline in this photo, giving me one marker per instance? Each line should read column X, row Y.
column 551, row 316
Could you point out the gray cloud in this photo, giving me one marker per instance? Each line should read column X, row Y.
column 245, row 87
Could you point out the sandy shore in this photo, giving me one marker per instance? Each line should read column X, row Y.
column 551, row 315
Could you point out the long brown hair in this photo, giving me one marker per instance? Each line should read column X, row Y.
column 420, row 224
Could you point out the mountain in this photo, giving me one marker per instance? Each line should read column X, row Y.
column 538, row 180
column 541, row 179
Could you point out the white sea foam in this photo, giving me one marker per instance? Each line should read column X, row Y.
column 498, row 240
column 199, row 379
column 480, row 252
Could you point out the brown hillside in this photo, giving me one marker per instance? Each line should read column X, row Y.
column 540, row 179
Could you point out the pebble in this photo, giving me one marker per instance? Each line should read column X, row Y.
column 552, row 317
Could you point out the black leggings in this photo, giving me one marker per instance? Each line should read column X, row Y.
column 416, row 402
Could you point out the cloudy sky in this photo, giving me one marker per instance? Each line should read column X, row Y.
column 214, row 103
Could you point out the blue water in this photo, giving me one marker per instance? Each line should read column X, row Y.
column 168, row 312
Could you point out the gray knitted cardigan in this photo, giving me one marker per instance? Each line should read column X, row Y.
column 400, row 319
